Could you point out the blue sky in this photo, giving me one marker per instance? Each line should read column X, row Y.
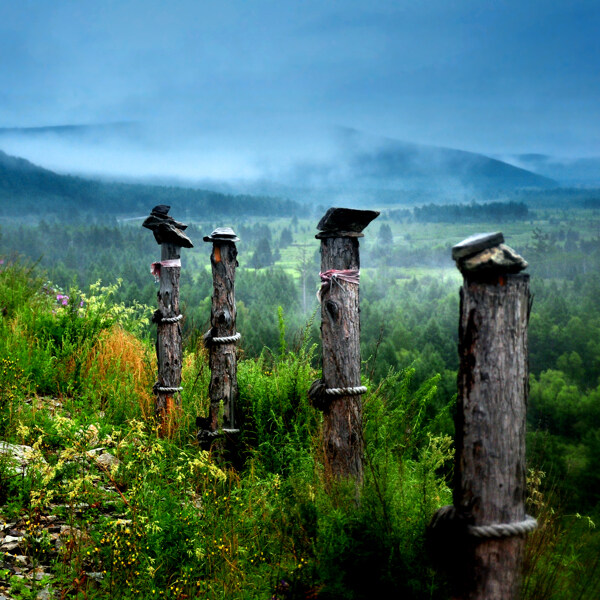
column 493, row 77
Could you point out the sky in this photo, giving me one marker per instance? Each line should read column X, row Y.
column 219, row 82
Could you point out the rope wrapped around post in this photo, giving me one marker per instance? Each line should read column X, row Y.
column 167, row 390
column 449, row 513
column 171, row 319
column 158, row 317
column 331, row 276
column 320, row 395
column 228, row 339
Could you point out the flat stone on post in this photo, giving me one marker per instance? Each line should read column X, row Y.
column 501, row 258
column 222, row 234
column 476, row 243
column 345, row 221
column 166, row 229
column 161, row 209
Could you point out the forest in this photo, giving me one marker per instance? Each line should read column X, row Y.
column 75, row 298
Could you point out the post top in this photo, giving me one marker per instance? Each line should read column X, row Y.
column 346, row 220
column 222, row 234
column 485, row 254
column 476, row 243
column 166, row 229
column 160, row 209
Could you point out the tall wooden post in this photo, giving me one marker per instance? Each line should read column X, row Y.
column 489, row 470
column 339, row 391
column 221, row 338
column 168, row 233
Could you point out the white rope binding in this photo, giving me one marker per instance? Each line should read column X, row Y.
column 171, row 319
column 167, row 390
column 493, row 531
column 502, row 530
column 225, row 340
column 346, row 391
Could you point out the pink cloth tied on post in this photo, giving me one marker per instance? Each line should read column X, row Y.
column 155, row 266
column 335, row 276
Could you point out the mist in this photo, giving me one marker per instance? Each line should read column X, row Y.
column 244, row 91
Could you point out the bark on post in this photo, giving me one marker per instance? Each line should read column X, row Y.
column 489, row 471
column 339, row 391
column 221, row 338
column 168, row 233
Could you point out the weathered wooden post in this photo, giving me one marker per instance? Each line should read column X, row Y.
column 168, row 233
column 338, row 393
column 488, row 520
column 222, row 337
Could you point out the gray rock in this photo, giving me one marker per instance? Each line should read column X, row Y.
column 9, row 547
column 12, row 538
column 346, row 219
column 38, row 574
column 10, row 543
column 18, row 457
column 476, row 243
column 73, row 533
column 222, row 234
column 94, row 452
column 167, row 230
column 500, row 259
column 44, row 594
column 107, row 460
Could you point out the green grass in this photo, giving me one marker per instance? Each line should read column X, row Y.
column 170, row 520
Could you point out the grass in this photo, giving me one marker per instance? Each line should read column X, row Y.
column 109, row 508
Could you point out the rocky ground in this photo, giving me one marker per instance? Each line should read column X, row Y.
column 36, row 543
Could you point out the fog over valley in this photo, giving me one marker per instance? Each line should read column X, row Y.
column 285, row 96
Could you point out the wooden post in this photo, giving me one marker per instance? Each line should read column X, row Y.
column 339, row 391
column 489, row 470
column 221, row 338
column 168, row 233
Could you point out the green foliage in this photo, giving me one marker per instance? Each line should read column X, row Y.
column 76, row 378
column 52, row 335
column 26, row 189
column 375, row 547
column 278, row 421
column 561, row 555
column 498, row 212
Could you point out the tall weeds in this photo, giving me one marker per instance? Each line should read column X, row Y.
column 165, row 520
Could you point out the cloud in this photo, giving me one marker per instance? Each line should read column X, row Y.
column 499, row 77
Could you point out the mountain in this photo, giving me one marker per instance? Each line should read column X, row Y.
column 368, row 169
column 330, row 166
column 568, row 171
column 72, row 130
column 28, row 190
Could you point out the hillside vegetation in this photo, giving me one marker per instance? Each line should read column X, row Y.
column 29, row 191
column 98, row 505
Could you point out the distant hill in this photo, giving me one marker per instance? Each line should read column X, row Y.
column 568, row 171
column 338, row 166
column 373, row 169
column 28, row 190
column 73, row 130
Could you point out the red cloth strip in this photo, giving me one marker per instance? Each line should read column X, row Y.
column 336, row 275
column 155, row 266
